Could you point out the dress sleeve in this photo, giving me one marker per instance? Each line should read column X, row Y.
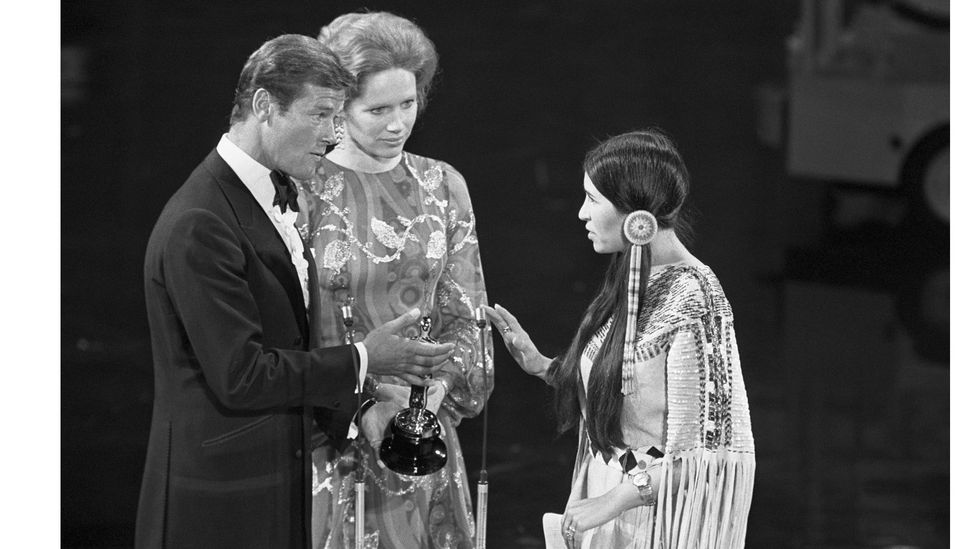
column 460, row 290
column 708, row 472
column 685, row 374
column 705, row 394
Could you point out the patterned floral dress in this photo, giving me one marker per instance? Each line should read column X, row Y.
column 689, row 416
column 394, row 241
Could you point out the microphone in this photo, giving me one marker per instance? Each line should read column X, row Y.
column 360, row 486
column 481, row 524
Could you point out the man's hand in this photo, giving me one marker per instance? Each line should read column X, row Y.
column 410, row 360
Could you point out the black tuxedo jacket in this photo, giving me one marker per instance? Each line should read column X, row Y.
column 228, row 457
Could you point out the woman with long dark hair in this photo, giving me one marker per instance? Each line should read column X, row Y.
column 652, row 377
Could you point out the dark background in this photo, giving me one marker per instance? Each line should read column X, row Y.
column 850, row 416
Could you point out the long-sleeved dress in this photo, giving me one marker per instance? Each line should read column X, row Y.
column 396, row 240
column 689, row 416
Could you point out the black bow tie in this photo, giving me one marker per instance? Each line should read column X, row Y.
column 286, row 195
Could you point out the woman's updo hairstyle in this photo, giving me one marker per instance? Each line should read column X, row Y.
column 372, row 42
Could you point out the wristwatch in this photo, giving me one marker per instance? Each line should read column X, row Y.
column 643, row 483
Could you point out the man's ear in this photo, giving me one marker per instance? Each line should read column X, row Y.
column 262, row 104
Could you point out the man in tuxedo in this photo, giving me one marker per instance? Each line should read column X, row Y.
column 228, row 288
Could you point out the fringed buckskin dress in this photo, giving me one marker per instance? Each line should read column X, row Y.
column 689, row 416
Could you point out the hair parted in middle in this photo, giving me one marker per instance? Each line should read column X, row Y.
column 639, row 170
column 372, row 42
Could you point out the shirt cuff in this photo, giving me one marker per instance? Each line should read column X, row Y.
column 363, row 365
column 363, row 362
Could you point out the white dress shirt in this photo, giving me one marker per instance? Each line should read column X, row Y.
column 257, row 178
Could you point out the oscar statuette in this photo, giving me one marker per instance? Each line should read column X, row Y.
column 415, row 447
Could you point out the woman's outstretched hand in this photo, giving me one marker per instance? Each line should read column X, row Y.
column 518, row 342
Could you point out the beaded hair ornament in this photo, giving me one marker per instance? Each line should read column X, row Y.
column 640, row 226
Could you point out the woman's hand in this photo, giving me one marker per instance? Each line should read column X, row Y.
column 518, row 342
column 583, row 514
column 376, row 421
column 391, row 392
column 400, row 394
column 435, row 395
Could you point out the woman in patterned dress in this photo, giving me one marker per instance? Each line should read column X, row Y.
column 666, row 455
column 395, row 231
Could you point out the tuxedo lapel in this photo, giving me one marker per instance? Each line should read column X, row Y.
column 268, row 246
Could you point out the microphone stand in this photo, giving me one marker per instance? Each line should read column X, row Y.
column 481, row 524
column 360, row 484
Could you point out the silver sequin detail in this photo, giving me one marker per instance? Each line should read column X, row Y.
column 437, row 245
column 336, row 254
column 386, row 235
